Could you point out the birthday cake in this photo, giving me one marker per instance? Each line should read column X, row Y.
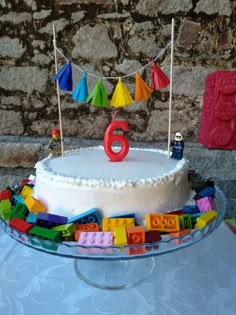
column 146, row 181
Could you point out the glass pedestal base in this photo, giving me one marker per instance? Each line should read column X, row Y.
column 114, row 274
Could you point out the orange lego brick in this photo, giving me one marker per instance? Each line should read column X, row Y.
column 136, row 236
column 162, row 222
column 179, row 234
column 109, row 224
column 88, row 227
column 34, row 205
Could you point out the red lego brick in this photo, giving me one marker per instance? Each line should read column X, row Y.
column 218, row 120
column 136, row 236
column 20, row 225
column 5, row 194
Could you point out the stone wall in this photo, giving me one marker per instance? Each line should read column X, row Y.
column 110, row 38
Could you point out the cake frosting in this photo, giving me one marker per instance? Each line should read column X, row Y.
column 147, row 181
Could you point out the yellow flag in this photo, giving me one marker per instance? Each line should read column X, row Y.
column 121, row 96
column 142, row 90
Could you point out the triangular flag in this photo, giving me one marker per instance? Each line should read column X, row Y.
column 142, row 90
column 98, row 96
column 159, row 79
column 64, row 77
column 121, row 96
column 80, row 93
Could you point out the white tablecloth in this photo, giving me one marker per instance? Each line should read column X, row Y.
column 197, row 280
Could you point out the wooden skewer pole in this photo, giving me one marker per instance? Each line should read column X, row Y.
column 171, row 81
column 58, row 92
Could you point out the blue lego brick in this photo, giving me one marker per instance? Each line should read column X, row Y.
column 90, row 216
column 31, row 218
column 127, row 215
column 18, row 198
column 194, row 217
column 191, row 209
column 207, row 192
column 48, row 220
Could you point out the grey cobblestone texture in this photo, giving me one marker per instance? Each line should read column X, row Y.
column 110, row 38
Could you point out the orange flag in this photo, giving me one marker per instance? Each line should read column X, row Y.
column 159, row 79
column 142, row 90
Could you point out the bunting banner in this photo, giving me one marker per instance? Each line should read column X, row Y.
column 64, row 77
column 98, row 96
column 80, row 93
column 121, row 96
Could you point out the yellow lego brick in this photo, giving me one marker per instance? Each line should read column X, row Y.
column 120, row 238
column 162, row 222
column 34, row 205
column 109, row 224
column 205, row 219
column 26, row 192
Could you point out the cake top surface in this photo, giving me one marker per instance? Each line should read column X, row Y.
column 91, row 166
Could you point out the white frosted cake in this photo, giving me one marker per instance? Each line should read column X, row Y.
column 147, row 181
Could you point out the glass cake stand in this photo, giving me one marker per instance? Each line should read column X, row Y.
column 119, row 267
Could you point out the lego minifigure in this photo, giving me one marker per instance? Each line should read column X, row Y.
column 55, row 143
column 177, row 147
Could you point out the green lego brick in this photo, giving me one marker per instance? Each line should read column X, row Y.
column 185, row 221
column 65, row 229
column 19, row 211
column 45, row 233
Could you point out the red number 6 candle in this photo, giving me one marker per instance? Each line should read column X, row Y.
column 109, row 138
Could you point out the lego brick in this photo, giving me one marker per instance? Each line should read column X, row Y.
column 45, row 233
column 179, row 234
column 162, row 222
column 217, row 125
column 5, row 209
column 127, row 215
column 194, row 217
column 203, row 184
column 31, row 218
column 90, row 216
column 177, row 212
column 136, row 236
column 152, row 237
column 26, row 191
column 207, row 192
column 90, row 227
column 34, row 205
column 18, row 199
column 19, row 211
column 231, row 223
column 190, row 209
column 101, row 239
column 109, row 224
column 65, row 229
column 20, row 225
column 206, row 219
column 5, row 194
column 120, row 238
column 206, row 203
column 185, row 221
column 49, row 220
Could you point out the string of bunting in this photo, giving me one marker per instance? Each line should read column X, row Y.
column 121, row 96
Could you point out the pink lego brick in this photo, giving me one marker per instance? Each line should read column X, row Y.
column 205, row 204
column 101, row 239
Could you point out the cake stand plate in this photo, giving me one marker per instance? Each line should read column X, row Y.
column 119, row 267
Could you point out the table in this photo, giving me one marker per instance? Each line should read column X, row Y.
column 200, row 279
